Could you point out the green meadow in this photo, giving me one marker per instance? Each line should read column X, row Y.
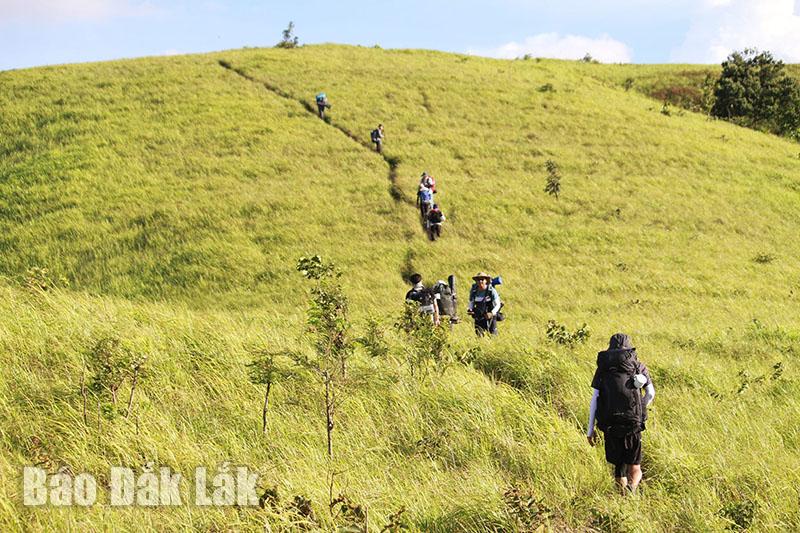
column 170, row 198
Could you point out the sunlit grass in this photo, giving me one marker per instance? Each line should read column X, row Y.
column 175, row 197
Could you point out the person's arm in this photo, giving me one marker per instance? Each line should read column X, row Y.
column 592, row 413
column 649, row 394
column 496, row 301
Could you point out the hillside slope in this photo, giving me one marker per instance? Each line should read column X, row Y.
column 174, row 196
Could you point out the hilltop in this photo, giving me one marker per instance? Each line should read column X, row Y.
column 170, row 198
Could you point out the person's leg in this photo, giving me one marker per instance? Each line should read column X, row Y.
column 492, row 325
column 635, row 476
column 619, row 477
column 479, row 327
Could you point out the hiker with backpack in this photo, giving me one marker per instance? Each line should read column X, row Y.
column 428, row 181
column 621, row 391
column 433, row 222
column 484, row 305
column 446, row 299
column 425, row 297
column 377, row 138
column 322, row 104
column 424, row 201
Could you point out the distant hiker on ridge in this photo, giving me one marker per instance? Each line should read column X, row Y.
column 424, row 201
column 377, row 137
column 428, row 181
column 484, row 305
column 620, row 409
column 433, row 223
column 322, row 104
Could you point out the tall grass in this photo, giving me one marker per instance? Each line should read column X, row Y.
column 174, row 196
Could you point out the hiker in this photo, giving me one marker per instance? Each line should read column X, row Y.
column 428, row 181
column 425, row 297
column 446, row 299
column 433, row 222
column 484, row 305
column 424, row 201
column 377, row 138
column 322, row 104
column 620, row 409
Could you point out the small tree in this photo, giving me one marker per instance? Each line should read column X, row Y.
column 110, row 360
column 754, row 90
column 289, row 40
column 330, row 331
column 553, row 185
column 428, row 344
column 265, row 369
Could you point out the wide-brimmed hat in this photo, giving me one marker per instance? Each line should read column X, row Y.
column 482, row 275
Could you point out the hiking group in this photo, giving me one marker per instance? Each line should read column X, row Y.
column 621, row 387
column 441, row 300
column 431, row 215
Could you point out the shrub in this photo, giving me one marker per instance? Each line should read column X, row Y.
column 553, row 185
column 289, row 40
column 754, row 90
column 559, row 334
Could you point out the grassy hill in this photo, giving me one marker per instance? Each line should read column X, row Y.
column 170, row 198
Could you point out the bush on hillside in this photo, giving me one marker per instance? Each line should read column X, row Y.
column 289, row 40
column 755, row 91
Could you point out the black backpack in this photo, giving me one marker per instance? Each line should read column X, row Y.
column 619, row 407
column 447, row 304
column 375, row 136
column 422, row 297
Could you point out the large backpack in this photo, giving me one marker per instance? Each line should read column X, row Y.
column 375, row 135
column 321, row 99
column 447, row 304
column 422, row 297
column 619, row 406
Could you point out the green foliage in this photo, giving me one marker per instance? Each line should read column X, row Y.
column 428, row 343
column 527, row 510
column 740, row 514
column 553, row 185
column 587, row 58
column 374, row 338
column 112, row 362
column 268, row 367
column 763, row 258
column 288, row 40
column 559, row 334
column 39, row 280
column 754, row 90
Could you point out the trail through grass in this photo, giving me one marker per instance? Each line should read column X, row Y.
column 170, row 198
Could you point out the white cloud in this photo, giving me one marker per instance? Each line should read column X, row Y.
column 721, row 26
column 554, row 45
column 71, row 10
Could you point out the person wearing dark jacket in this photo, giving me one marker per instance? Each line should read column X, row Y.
column 427, row 300
column 617, row 389
column 484, row 305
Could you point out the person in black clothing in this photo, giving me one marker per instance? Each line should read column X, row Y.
column 434, row 221
column 619, row 408
column 424, row 297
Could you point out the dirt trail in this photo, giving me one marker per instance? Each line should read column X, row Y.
column 392, row 162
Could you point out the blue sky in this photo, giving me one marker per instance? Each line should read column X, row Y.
column 41, row 32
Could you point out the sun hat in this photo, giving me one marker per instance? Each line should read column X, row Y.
column 482, row 275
